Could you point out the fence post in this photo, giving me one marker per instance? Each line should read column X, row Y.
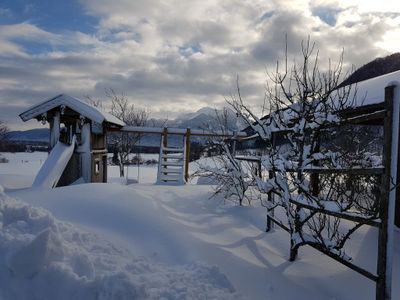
column 384, row 268
column 187, row 154
column 165, row 143
column 314, row 177
column 165, row 137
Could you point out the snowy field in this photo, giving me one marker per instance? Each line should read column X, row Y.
column 148, row 241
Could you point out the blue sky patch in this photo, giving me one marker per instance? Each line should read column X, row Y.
column 326, row 14
column 52, row 16
column 189, row 50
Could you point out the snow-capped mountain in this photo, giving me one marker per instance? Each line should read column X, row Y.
column 202, row 111
column 205, row 118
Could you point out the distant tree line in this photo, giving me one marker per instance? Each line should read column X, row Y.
column 3, row 131
column 23, row 146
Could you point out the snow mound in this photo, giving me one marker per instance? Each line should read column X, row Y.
column 43, row 258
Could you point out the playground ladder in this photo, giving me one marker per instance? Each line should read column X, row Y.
column 171, row 164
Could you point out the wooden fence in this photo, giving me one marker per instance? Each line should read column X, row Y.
column 388, row 116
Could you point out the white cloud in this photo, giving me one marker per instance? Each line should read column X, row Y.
column 368, row 6
column 25, row 31
column 181, row 55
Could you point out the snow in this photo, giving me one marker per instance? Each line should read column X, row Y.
column 43, row 258
column 372, row 91
column 160, row 242
column 52, row 169
column 204, row 110
column 21, row 169
column 24, row 157
column 77, row 105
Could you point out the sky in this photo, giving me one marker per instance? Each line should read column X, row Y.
column 174, row 56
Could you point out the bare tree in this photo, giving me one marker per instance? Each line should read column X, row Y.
column 3, row 131
column 131, row 115
column 227, row 173
column 304, row 104
column 230, row 176
column 94, row 102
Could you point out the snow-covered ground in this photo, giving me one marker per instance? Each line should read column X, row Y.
column 21, row 169
column 147, row 241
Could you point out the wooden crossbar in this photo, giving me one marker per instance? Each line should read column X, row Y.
column 180, row 131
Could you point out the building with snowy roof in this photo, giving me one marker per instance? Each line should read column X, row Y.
column 367, row 110
column 77, row 140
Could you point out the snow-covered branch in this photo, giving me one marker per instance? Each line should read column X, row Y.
column 304, row 133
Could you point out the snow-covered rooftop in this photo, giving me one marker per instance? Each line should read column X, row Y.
column 85, row 109
column 372, row 91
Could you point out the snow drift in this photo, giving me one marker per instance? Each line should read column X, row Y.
column 43, row 258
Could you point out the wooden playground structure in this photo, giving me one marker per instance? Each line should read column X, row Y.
column 173, row 164
column 86, row 159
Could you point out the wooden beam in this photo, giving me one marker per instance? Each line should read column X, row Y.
column 382, row 291
column 165, row 137
column 164, row 144
column 375, row 118
column 342, row 215
column 180, row 131
column 187, row 154
column 314, row 177
column 252, row 158
column 397, row 204
column 320, row 170
column 353, row 112
column 348, row 264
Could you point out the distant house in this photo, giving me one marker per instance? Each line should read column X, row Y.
column 71, row 120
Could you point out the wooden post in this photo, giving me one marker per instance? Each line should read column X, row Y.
column 165, row 143
column 165, row 137
column 397, row 204
column 314, row 177
column 187, row 154
column 383, row 290
column 85, row 150
column 234, row 144
column 54, row 129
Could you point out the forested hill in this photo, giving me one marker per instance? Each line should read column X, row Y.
column 377, row 67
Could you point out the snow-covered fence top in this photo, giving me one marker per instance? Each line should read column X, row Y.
column 197, row 132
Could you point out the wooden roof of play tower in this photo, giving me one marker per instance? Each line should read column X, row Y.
column 79, row 106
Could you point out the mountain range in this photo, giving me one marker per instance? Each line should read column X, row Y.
column 32, row 135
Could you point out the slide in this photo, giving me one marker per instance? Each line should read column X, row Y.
column 53, row 167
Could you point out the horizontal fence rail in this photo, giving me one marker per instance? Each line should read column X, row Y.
column 180, row 131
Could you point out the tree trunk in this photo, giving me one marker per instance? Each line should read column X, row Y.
column 121, row 170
